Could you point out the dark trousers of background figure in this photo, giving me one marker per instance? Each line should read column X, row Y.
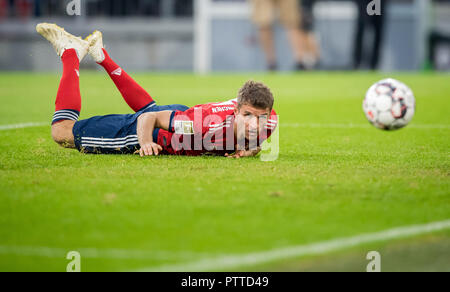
column 365, row 23
column 435, row 39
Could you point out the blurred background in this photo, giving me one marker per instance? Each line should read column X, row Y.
column 237, row 35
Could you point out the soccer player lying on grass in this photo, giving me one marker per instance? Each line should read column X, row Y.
column 235, row 128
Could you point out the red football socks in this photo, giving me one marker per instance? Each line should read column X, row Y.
column 135, row 96
column 68, row 99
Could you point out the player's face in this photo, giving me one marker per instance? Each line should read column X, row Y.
column 251, row 119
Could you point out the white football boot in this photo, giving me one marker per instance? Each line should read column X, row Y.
column 62, row 40
column 96, row 46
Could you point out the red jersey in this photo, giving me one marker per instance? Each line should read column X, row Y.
column 207, row 129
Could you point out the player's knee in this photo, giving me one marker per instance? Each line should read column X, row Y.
column 62, row 134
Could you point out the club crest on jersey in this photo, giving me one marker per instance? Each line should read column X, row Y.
column 184, row 127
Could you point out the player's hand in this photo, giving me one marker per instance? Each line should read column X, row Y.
column 150, row 149
column 236, row 155
column 243, row 153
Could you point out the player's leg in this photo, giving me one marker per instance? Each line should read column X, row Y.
column 135, row 96
column 290, row 18
column 72, row 50
column 378, row 25
column 263, row 18
column 309, row 41
column 62, row 133
column 359, row 37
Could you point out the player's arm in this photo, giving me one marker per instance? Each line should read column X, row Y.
column 147, row 123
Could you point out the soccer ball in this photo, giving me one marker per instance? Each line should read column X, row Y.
column 389, row 105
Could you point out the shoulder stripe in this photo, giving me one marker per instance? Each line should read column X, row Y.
column 220, row 125
column 212, row 130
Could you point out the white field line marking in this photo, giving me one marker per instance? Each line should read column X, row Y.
column 21, row 126
column 286, row 125
column 228, row 262
column 98, row 253
column 359, row 126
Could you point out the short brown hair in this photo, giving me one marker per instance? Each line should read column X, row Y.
column 255, row 94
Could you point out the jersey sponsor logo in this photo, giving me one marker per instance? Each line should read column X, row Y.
column 184, row 127
column 117, row 72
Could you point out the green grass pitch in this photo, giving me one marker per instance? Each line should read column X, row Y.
column 336, row 177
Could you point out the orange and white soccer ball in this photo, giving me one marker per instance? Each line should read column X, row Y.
column 389, row 105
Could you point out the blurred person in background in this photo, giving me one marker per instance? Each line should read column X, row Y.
column 7, row 8
column 37, row 8
column 311, row 48
column 3, row 8
column 439, row 36
column 364, row 24
column 264, row 13
column 16, row 8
